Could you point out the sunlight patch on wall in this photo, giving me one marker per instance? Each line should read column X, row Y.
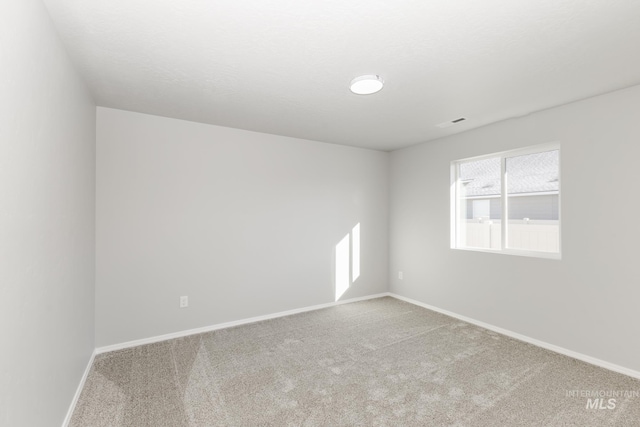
column 355, row 252
column 347, row 261
column 342, row 267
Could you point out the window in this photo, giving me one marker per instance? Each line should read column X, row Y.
column 521, row 186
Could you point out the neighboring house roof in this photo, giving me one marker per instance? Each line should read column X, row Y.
column 531, row 173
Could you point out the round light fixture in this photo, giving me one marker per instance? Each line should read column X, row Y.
column 366, row 85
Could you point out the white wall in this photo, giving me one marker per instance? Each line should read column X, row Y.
column 243, row 223
column 47, row 218
column 586, row 302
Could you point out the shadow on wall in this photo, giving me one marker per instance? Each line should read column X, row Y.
column 347, row 265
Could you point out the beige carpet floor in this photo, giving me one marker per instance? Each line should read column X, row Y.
column 380, row 362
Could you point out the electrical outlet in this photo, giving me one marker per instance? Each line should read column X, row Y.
column 400, row 275
column 184, row 301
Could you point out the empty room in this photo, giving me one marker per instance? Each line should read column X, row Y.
column 319, row 213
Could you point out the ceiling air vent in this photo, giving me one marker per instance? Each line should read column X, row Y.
column 451, row 122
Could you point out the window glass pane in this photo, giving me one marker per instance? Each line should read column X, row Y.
column 479, row 204
column 533, row 202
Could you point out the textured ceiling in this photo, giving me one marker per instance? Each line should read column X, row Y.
column 283, row 66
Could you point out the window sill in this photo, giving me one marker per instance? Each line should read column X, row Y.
column 530, row 254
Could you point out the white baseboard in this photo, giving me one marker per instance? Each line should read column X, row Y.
column 579, row 356
column 215, row 327
column 76, row 396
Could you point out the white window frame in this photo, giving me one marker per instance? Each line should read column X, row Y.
column 504, row 155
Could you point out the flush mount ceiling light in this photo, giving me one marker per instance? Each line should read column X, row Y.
column 366, row 85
